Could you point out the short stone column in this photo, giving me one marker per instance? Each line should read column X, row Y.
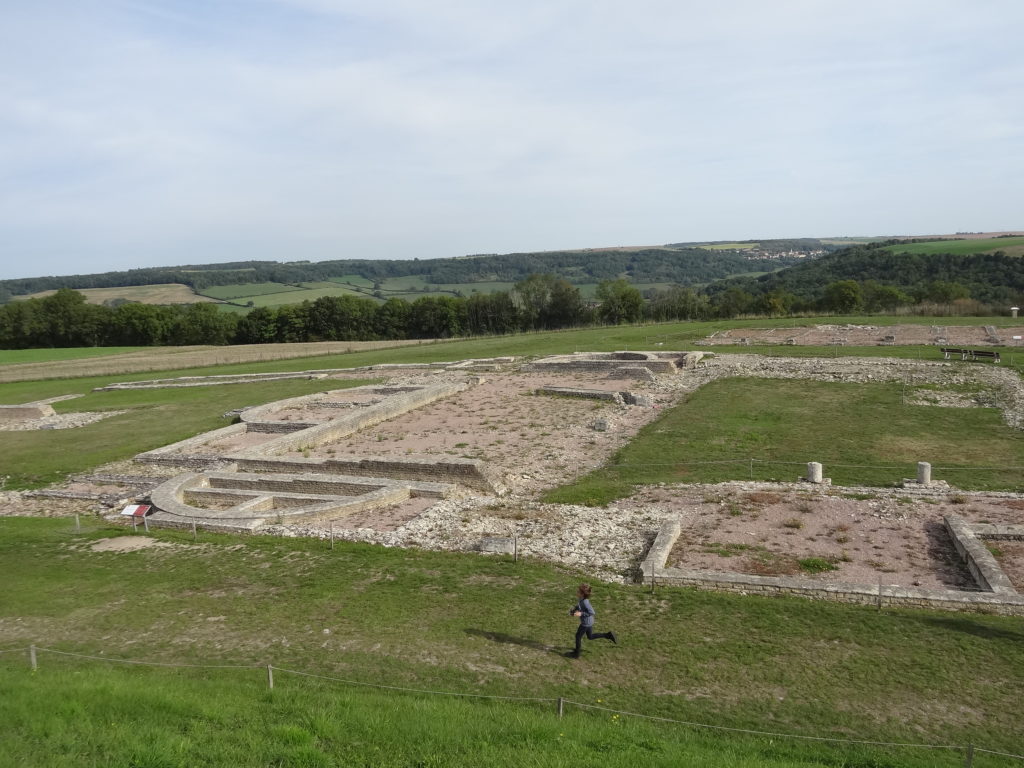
column 924, row 473
column 814, row 472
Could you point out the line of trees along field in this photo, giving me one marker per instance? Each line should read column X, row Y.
column 541, row 302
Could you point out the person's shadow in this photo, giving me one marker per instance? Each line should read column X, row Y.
column 501, row 637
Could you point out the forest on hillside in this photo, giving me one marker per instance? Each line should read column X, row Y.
column 684, row 266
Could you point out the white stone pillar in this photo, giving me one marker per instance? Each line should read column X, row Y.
column 814, row 472
column 924, row 473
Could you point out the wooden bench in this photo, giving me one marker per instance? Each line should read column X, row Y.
column 971, row 354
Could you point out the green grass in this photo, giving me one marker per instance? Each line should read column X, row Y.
column 13, row 356
column 461, row 623
column 782, row 424
column 247, row 290
column 961, row 247
column 155, row 417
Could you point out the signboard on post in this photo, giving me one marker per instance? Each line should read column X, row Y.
column 135, row 512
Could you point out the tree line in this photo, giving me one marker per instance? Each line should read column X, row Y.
column 541, row 302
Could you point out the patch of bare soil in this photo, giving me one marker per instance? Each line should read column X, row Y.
column 867, row 538
column 127, row 544
column 533, row 441
column 1010, row 555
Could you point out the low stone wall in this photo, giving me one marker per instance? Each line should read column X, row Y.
column 253, row 501
column 185, row 453
column 979, row 560
column 469, row 473
column 360, row 418
column 653, row 567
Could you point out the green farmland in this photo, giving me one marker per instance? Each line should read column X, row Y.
column 1011, row 245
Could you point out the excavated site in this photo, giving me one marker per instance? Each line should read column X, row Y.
column 456, row 456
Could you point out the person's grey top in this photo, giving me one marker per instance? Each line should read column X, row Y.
column 586, row 612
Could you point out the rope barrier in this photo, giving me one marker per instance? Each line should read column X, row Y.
column 412, row 690
column 151, row 663
column 1000, row 754
column 767, row 733
column 545, row 699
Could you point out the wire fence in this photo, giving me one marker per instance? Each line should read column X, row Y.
column 968, row 750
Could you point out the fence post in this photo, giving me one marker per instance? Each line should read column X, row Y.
column 879, row 596
column 78, row 524
column 652, row 577
column 332, row 534
column 969, row 758
column 561, row 706
column 194, row 534
column 751, row 469
column 270, row 677
column 32, row 657
column 145, row 523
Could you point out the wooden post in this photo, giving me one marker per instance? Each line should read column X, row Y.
column 751, row 469
column 879, row 596
column 194, row 534
column 652, row 577
column 561, row 706
column 270, row 677
column 969, row 758
column 145, row 523
column 515, row 549
column 78, row 524
column 332, row 534
column 135, row 524
column 32, row 657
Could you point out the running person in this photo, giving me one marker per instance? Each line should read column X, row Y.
column 585, row 611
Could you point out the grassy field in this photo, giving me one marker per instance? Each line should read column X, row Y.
column 465, row 624
column 783, row 424
column 247, row 290
column 154, row 417
column 15, row 356
column 161, row 293
column 963, row 247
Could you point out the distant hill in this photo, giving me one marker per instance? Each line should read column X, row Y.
column 691, row 265
column 987, row 270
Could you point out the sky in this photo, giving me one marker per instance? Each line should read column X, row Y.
column 139, row 133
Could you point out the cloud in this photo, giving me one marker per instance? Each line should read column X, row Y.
column 149, row 132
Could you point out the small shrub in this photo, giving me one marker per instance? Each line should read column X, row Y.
column 958, row 499
column 792, row 523
column 816, row 565
column 805, row 507
column 735, row 510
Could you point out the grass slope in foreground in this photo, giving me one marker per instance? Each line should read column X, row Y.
column 482, row 625
column 783, row 424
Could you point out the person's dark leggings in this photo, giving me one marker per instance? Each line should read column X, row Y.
column 591, row 635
